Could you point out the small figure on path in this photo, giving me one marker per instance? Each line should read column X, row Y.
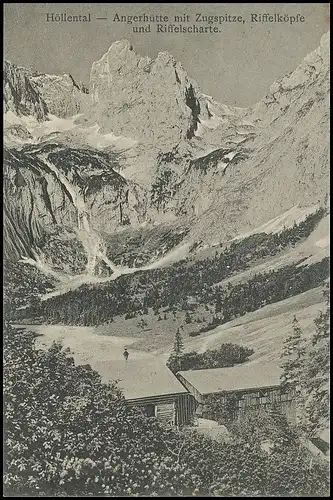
column 125, row 354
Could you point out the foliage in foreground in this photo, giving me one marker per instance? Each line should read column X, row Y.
column 68, row 434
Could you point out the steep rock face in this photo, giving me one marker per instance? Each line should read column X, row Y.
column 20, row 96
column 147, row 100
column 287, row 162
column 309, row 82
column 51, row 189
column 62, row 95
column 27, row 93
column 16, row 133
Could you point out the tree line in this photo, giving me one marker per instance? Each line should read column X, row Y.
column 23, row 284
column 92, row 305
column 173, row 287
column 267, row 288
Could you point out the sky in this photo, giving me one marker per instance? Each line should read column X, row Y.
column 236, row 66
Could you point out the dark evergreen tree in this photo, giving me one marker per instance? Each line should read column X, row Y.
column 218, row 304
column 316, row 379
column 178, row 346
column 188, row 317
column 293, row 359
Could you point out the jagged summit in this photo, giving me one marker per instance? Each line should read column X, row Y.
column 325, row 47
column 20, row 95
column 117, row 49
column 120, row 48
column 297, row 87
column 120, row 45
column 145, row 99
column 166, row 58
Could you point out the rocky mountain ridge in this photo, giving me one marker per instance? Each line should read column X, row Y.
column 20, row 95
column 145, row 146
column 28, row 93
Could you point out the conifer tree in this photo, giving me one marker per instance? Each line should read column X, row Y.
column 316, row 374
column 178, row 345
column 293, row 357
column 174, row 362
column 306, row 368
column 218, row 304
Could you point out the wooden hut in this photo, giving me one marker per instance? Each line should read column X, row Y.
column 150, row 384
column 255, row 386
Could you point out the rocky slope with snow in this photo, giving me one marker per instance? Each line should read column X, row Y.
column 52, row 191
column 146, row 147
column 285, row 163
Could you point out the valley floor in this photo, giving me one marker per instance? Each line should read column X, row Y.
column 263, row 330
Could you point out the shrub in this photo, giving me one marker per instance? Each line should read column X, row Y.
column 194, row 334
column 226, row 355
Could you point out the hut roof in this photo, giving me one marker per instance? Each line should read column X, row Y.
column 236, row 378
column 140, row 378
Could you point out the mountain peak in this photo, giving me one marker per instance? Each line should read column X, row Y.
column 117, row 51
column 31, row 93
column 21, row 96
column 120, row 45
column 165, row 57
column 325, row 47
column 141, row 98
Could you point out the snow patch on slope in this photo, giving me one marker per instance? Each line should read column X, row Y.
column 10, row 118
column 101, row 141
column 285, row 220
column 213, row 122
column 88, row 278
column 174, row 255
column 91, row 135
column 55, row 124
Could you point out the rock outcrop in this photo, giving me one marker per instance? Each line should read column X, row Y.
column 52, row 188
column 62, row 95
column 284, row 164
column 20, row 95
column 29, row 94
